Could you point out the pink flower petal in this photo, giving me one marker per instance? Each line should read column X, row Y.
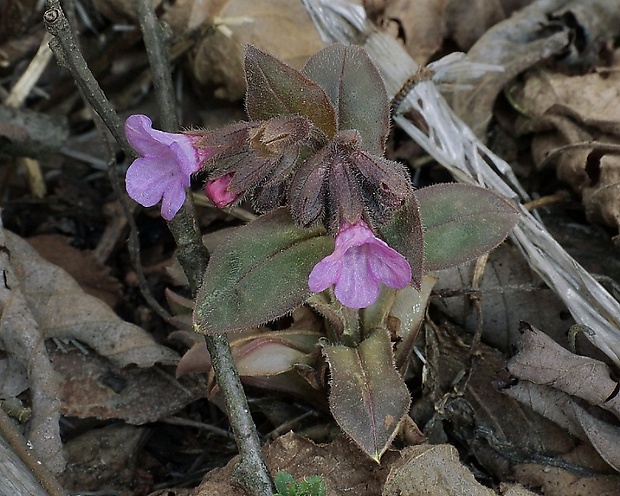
column 360, row 262
column 163, row 172
column 356, row 287
column 216, row 190
column 325, row 274
column 388, row 266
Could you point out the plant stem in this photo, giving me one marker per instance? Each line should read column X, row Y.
column 251, row 472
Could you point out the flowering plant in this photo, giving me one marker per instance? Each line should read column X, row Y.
column 342, row 230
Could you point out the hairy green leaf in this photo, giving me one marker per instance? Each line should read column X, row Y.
column 356, row 90
column 462, row 222
column 275, row 89
column 368, row 398
column 259, row 273
column 405, row 234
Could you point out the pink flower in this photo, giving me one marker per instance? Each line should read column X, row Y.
column 163, row 172
column 358, row 264
column 216, row 190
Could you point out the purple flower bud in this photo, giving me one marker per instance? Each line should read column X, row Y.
column 216, row 190
column 358, row 264
column 163, row 172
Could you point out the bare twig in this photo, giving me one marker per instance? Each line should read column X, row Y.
column 68, row 55
column 153, row 34
column 251, row 472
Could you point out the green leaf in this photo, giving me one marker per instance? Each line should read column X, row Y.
column 368, row 398
column 405, row 234
column 356, row 90
column 461, row 223
column 276, row 89
column 285, row 484
column 259, row 273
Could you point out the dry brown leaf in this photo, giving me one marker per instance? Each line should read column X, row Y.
column 564, row 110
column 280, row 27
column 23, row 340
column 550, row 379
column 425, row 470
column 436, row 471
column 480, row 417
column 552, row 404
column 82, row 265
column 93, row 387
column 516, row 43
column 39, row 301
column 419, row 24
column 543, row 361
column 63, row 310
column 102, row 458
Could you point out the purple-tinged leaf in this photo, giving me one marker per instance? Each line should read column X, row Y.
column 356, row 90
column 462, row 222
column 406, row 236
column 259, row 273
column 368, row 398
column 271, row 353
column 275, row 89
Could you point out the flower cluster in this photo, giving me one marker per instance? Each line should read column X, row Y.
column 308, row 160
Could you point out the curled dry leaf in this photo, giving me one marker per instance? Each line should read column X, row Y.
column 566, row 412
column 550, row 379
column 516, row 44
column 23, row 341
column 280, row 27
column 564, row 110
column 502, row 434
column 543, row 361
column 63, row 310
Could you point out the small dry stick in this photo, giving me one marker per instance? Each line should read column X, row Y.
column 69, row 56
column 20, row 446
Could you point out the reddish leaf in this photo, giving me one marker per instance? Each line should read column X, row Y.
column 368, row 398
column 356, row 90
column 275, row 89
